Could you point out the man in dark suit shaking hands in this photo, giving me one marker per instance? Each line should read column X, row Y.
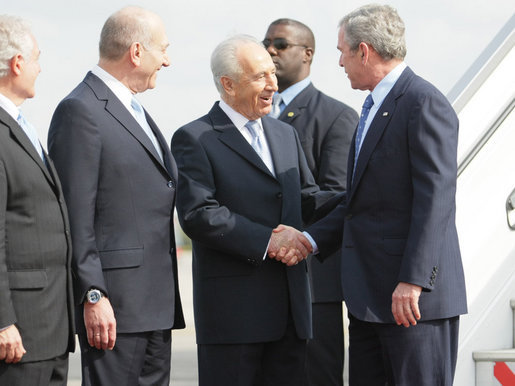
column 401, row 266
column 119, row 179
column 36, row 302
column 241, row 174
column 325, row 127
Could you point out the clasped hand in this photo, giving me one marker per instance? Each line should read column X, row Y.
column 288, row 245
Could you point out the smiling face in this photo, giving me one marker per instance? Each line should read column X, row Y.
column 152, row 59
column 251, row 94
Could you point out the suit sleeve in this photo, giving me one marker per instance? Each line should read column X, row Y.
column 432, row 141
column 332, row 170
column 315, row 202
column 74, row 145
column 202, row 217
column 7, row 313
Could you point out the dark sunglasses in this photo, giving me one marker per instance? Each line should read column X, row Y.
column 280, row 44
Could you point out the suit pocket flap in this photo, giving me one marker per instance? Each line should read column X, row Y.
column 27, row 279
column 121, row 258
column 394, row 246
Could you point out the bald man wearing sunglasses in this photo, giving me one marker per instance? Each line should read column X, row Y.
column 325, row 127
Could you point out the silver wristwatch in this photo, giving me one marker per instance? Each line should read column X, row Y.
column 94, row 295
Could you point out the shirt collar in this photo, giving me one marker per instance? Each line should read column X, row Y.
column 9, row 106
column 291, row 92
column 118, row 88
column 236, row 118
column 386, row 84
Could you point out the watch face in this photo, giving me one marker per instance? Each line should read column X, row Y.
column 94, row 296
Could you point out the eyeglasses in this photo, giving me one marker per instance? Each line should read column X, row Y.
column 280, row 44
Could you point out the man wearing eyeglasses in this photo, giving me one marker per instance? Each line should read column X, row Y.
column 325, row 127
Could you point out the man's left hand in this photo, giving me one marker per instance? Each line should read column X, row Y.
column 405, row 304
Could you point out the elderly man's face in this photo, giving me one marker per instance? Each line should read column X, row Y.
column 31, row 70
column 153, row 58
column 252, row 93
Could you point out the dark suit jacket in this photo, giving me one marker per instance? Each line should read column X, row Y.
column 35, row 248
column 121, row 199
column 398, row 223
column 325, row 127
column 228, row 203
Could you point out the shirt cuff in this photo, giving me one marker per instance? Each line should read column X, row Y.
column 313, row 244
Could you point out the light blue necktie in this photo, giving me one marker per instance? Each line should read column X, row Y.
column 142, row 120
column 254, row 130
column 367, row 105
column 276, row 106
column 32, row 134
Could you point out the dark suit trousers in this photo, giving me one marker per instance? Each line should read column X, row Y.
column 138, row 359
column 387, row 354
column 52, row 372
column 256, row 364
column 325, row 352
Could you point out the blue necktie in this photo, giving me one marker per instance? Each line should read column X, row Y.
column 276, row 106
column 253, row 128
column 367, row 105
column 31, row 133
column 142, row 120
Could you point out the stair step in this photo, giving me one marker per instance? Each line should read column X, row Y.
column 495, row 367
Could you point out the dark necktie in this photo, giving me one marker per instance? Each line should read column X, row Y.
column 367, row 105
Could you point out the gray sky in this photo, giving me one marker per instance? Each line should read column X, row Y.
column 444, row 37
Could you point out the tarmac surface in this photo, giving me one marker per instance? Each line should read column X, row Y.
column 184, row 349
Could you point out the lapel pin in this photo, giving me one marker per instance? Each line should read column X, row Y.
column 291, row 114
column 385, row 114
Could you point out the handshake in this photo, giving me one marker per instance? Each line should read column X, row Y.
column 288, row 245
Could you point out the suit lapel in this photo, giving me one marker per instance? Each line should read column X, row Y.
column 115, row 107
column 232, row 138
column 298, row 105
column 24, row 141
column 376, row 129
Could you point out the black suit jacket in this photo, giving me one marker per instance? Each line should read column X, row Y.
column 325, row 127
column 35, row 248
column 121, row 200
column 228, row 203
column 398, row 223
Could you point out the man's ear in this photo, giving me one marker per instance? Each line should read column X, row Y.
column 308, row 55
column 228, row 85
column 17, row 64
column 365, row 52
column 136, row 53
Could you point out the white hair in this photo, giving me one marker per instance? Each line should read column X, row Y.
column 224, row 59
column 15, row 38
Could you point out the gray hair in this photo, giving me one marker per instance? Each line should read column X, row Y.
column 15, row 38
column 377, row 25
column 224, row 59
column 124, row 27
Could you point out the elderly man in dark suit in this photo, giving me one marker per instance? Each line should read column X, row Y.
column 325, row 127
column 402, row 273
column 36, row 302
column 119, row 179
column 241, row 174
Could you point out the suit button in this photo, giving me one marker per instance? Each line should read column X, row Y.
column 348, row 217
column 169, row 184
column 279, row 195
